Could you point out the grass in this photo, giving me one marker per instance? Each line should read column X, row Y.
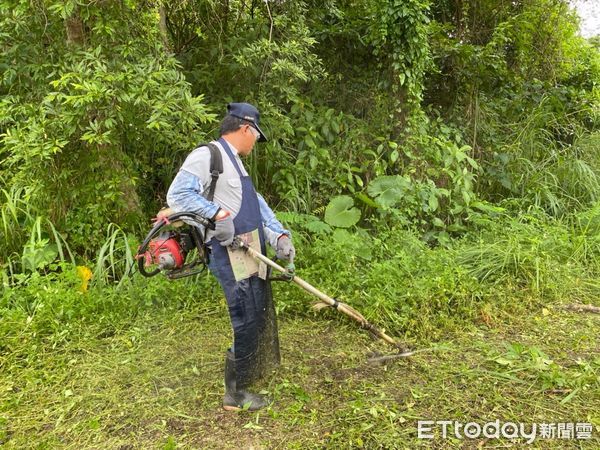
column 138, row 363
column 156, row 382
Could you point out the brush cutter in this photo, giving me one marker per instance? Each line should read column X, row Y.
column 176, row 236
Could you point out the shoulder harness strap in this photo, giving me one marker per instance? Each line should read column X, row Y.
column 216, row 168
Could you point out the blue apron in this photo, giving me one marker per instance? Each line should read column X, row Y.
column 246, row 299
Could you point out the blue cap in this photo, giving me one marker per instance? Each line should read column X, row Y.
column 249, row 113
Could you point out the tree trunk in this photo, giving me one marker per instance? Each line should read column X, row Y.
column 162, row 25
column 75, row 31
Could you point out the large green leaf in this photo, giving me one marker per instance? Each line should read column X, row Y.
column 388, row 190
column 37, row 255
column 341, row 212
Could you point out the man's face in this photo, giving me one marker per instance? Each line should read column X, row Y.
column 250, row 136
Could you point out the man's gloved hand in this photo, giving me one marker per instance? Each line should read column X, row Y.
column 285, row 249
column 224, row 229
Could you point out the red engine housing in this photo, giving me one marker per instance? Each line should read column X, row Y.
column 166, row 252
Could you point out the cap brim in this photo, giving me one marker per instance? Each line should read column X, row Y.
column 262, row 137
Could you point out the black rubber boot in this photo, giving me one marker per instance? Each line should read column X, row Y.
column 235, row 399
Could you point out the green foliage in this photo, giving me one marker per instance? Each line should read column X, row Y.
column 400, row 282
column 436, row 190
column 304, row 222
column 546, row 156
column 30, row 243
column 434, row 116
column 394, row 279
column 38, row 252
column 532, row 364
column 303, row 163
column 50, row 306
column 585, row 230
column 523, row 112
column 341, row 212
column 77, row 126
column 553, row 259
column 115, row 260
column 436, row 161
column 398, row 34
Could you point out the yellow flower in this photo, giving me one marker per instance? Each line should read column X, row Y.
column 85, row 274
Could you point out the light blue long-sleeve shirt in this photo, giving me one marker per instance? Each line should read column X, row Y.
column 193, row 179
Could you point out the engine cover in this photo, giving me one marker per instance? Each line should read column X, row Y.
column 166, row 252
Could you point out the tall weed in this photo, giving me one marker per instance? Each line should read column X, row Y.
column 394, row 279
column 399, row 282
column 115, row 260
column 29, row 242
column 547, row 157
column 14, row 213
column 553, row 259
column 50, row 308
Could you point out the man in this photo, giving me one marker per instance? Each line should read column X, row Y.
column 237, row 210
